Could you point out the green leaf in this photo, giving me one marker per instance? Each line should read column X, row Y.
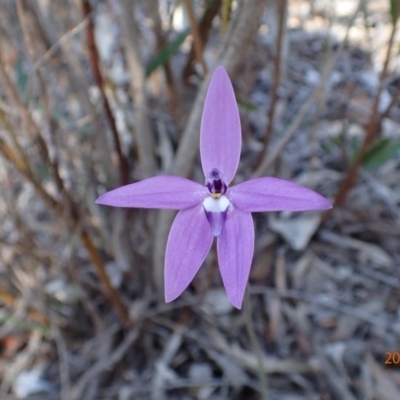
column 354, row 146
column 226, row 12
column 21, row 76
column 25, row 324
column 43, row 170
column 247, row 105
column 166, row 52
column 394, row 9
column 383, row 151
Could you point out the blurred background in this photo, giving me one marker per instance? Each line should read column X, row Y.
column 97, row 94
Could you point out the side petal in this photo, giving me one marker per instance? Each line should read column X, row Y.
column 273, row 194
column 235, row 248
column 169, row 192
column 220, row 133
column 189, row 242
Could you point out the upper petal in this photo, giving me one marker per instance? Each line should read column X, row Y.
column 170, row 192
column 235, row 248
column 189, row 242
column 273, row 194
column 220, row 134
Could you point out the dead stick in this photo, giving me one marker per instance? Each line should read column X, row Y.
column 277, row 78
column 198, row 42
column 143, row 132
column 101, row 273
column 205, row 25
column 95, row 65
column 161, row 42
column 371, row 134
column 94, row 255
column 59, row 208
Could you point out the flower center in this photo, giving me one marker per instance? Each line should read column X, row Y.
column 215, row 184
column 212, row 205
column 216, row 206
column 216, row 210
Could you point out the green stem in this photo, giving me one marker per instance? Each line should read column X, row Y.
column 262, row 375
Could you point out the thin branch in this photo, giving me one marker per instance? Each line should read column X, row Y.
column 204, row 27
column 305, row 108
column 233, row 50
column 392, row 103
column 197, row 39
column 257, row 350
column 29, row 124
column 25, row 170
column 143, row 133
column 52, row 163
column 64, row 370
column 98, row 77
column 76, row 74
column 60, row 42
column 60, row 209
column 11, row 301
column 372, row 130
column 94, row 370
column 14, row 139
column 282, row 4
column 94, row 255
column 226, row 10
column 74, row 214
column 97, row 261
column 162, row 41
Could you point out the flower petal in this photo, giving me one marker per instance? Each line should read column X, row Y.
column 273, row 194
column 216, row 210
column 220, row 134
column 189, row 242
column 235, row 248
column 169, row 192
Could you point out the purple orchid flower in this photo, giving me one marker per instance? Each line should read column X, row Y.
column 214, row 209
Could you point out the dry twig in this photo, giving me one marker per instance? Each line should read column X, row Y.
column 143, row 133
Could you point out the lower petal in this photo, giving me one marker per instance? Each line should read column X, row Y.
column 189, row 242
column 216, row 221
column 235, row 253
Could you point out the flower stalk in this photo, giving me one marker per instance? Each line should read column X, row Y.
column 262, row 374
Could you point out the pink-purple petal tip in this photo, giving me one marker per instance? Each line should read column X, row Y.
column 189, row 242
column 235, row 248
